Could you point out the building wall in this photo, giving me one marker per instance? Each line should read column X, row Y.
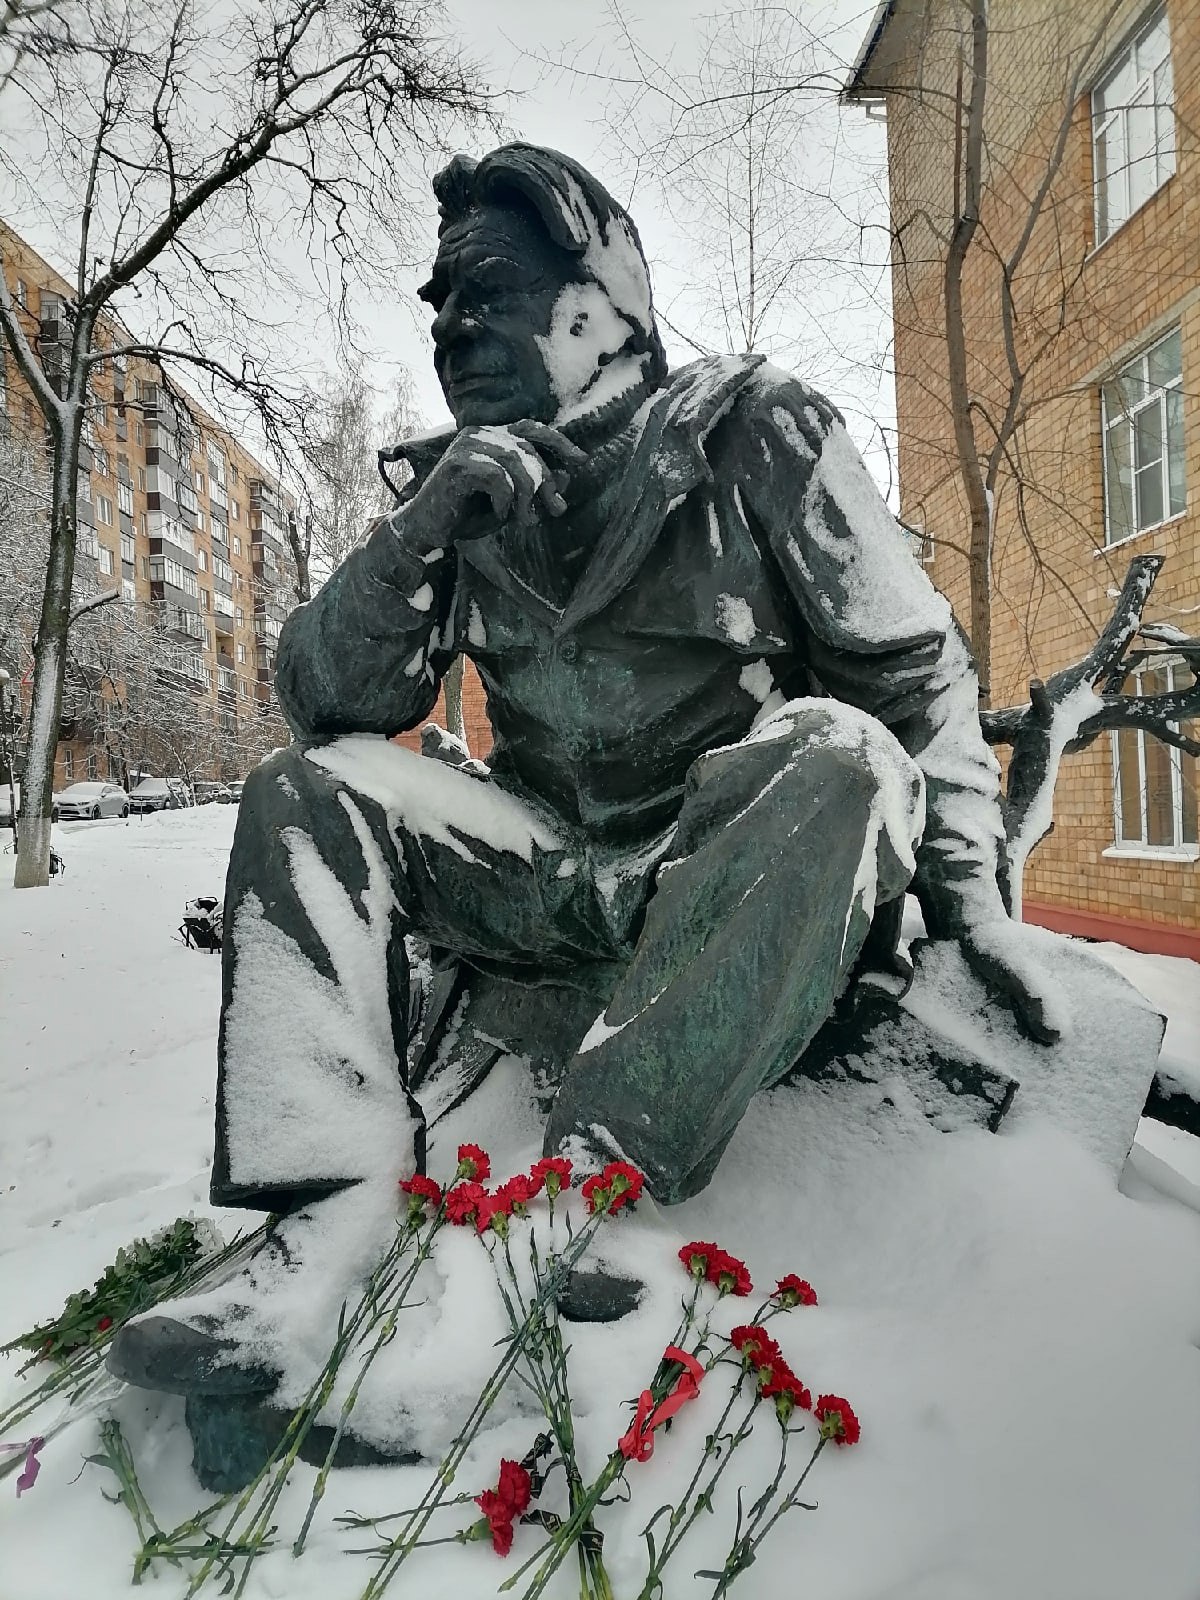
column 140, row 487
column 1087, row 308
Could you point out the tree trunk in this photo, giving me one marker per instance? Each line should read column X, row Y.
column 49, row 664
column 452, row 689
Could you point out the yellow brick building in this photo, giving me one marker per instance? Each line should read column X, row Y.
column 172, row 510
column 1105, row 349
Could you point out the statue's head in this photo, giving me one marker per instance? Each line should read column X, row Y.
column 541, row 291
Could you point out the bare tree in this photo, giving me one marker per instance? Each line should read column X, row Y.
column 173, row 151
column 1074, row 707
column 343, row 493
column 24, row 502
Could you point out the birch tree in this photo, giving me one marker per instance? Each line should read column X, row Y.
column 176, row 157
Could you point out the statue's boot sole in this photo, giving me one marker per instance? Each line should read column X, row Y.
column 590, row 1295
column 175, row 1358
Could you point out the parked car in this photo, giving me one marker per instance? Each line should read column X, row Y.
column 160, row 794
column 208, row 794
column 90, row 800
column 235, row 791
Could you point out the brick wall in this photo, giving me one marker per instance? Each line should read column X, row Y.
column 1086, row 309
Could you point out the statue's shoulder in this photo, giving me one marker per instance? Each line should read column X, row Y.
column 740, row 392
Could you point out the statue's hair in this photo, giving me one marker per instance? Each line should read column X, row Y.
column 580, row 217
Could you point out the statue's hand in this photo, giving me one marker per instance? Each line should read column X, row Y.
column 996, row 952
column 487, row 477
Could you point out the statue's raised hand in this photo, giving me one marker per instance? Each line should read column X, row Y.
column 488, row 477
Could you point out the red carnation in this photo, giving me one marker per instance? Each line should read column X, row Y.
column 420, row 1191
column 793, row 1291
column 755, row 1346
column 104, row 1324
column 696, row 1257
column 837, row 1420
column 785, row 1388
column 493, row 1212
column 554, row 1172
column 473, row 1163
column 618, row 1185
column 499, row 1520
column 729, row 1275
column 515, row 1486
column 516, row 1194
column 506, row 1501
column 464, row 1200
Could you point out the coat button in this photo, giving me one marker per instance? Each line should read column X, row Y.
column 569, row 651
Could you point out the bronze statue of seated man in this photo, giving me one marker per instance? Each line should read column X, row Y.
column 734, row 723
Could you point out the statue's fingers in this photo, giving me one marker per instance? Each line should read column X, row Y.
column 551, row 442
column 488, row 478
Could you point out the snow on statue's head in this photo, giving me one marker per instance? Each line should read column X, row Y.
column 541, row 291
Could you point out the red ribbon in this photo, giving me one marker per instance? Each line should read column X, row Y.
column 638, row 1443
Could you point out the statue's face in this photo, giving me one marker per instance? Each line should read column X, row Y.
column 495, row 282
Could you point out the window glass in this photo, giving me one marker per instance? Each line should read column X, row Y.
column 1133, row 126
column 1144, row 447
column 1155, row 783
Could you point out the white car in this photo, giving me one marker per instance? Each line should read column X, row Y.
column 160, row 794
column 91, row 800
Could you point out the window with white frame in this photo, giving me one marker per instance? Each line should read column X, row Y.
column 1154, row 784
column 1133, row 125
column 104, row 510
column 1143, row 441
column 128, row 589
column 106, row 560
column 68, row 765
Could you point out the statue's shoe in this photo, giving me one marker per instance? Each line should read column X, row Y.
column 182, row 1358
column 592, row 1295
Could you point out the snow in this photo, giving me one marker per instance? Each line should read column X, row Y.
column 735, row 619
column 1016, row 1333
column 433, row 798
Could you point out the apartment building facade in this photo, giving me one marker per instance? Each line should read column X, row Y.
column 1105, row 462
column 179, row 515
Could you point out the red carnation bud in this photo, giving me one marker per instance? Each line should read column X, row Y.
column 104, row 1324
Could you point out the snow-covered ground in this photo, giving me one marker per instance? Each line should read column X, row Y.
column 1019, row 1338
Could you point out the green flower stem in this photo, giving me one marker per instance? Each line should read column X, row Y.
column 353, row 1520
column 680, row 1523
column 744, row 1552
column 398, row 1549
column 397, row 1296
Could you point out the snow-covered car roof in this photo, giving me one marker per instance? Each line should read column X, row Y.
column 86, row 788
column 153, row 786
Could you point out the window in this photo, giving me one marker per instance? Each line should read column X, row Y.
column 1154, row 785
column 127, row 548
column 91, row 767
column 239, row 616
column 104, row 510
column 101, row 465
column 139, row 433
column 199, row 483
column 241, row 654
column 106, row 560
column 233, row 510
column 125, row 498
column 1133, row 126
column 237, row 547
column 85, row 488
column 68, row 757
column 1143, row 441
column 128, row 591
column 205, row 600
column 145, row 567
column 201, row 561
column 21, row 294
column 142, row 479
